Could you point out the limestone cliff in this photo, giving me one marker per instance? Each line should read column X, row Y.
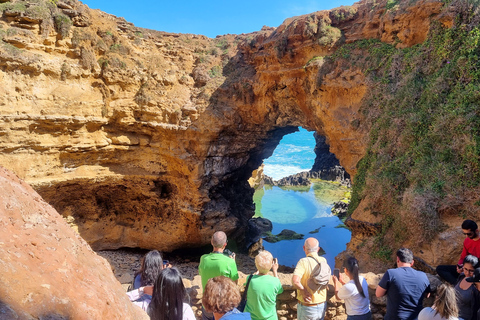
column 147, row 139
column 49, row 271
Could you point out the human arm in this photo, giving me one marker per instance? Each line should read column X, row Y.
column 275, row 267
column 338, row 284
column 233, row 272
column 382, row 287
column 138, row 293
column 307, row 296
column 380, row 292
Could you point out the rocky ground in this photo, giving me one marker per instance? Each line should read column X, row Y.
column 125, row 262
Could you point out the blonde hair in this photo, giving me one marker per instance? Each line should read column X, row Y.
column 446, row 302
column 264, row 261
column 221, row 295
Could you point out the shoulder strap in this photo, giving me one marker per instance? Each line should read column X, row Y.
column 314, row 259
column 244, row 295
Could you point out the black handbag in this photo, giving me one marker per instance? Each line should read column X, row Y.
column 243, row 302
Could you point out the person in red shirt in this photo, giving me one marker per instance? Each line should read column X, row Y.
column 471, row 245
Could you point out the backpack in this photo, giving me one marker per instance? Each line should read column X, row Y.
column 320, row 276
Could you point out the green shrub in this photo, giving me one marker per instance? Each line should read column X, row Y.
column 328, row 35
column 18, row 7
column 9, row 49
column 312, row 60
column 222, row 44
column 390, row 4
column 62, row 24
column 101, row 46
column 119, row 48
column 103, row 62
column 117, row 63
column 343, row 13
column 80, row 37
column 215, row 71
column 39, row 12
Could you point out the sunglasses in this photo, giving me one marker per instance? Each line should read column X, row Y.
column 468, row 234
column 468, row 270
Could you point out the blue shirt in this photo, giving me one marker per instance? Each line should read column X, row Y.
column 236, row 315
column 406, row 288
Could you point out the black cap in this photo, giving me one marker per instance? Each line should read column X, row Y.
column 476, row 276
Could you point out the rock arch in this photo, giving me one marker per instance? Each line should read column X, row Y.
column 157, row 154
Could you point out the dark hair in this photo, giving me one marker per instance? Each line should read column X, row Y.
column 168, row 295
column 469, row 225
column 472, row 260
column 351, row 264
column 152, row 264
column 405, row 255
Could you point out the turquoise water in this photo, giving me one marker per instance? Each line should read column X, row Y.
column 298, row 209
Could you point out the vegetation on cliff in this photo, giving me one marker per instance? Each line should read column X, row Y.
column 423, row 156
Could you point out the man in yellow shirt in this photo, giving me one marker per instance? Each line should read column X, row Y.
column 311, row 305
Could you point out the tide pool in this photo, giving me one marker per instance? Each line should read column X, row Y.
column 303, row 210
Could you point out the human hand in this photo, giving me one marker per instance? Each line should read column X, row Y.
column 307, row 296
column 343, row 278
column 233, row 255
column 459, row 268
column 275, row 265
column 148, row 290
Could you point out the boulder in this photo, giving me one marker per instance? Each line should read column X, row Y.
column 48, row 270
column 285, row 234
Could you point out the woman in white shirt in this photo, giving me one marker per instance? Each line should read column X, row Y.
column 354, row 292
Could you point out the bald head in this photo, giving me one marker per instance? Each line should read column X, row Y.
column 311, row 245
column 219, row 239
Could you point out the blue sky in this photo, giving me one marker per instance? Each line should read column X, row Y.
column 211, row 17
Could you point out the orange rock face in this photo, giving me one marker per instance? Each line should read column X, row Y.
column 48, row 270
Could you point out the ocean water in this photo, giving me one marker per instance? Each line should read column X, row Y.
column 305, row 210
column 294, row 154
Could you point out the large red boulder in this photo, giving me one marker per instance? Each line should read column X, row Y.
column 47, row 271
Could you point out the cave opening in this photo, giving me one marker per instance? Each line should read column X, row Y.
column 296, row 188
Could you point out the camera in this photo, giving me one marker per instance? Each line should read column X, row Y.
column 228, row 252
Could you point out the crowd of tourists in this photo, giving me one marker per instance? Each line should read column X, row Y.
column 158, row 288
